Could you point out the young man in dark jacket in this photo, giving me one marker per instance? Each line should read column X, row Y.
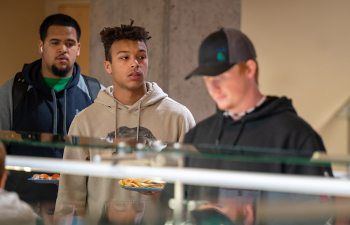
column 54, row 93
column 227, row 62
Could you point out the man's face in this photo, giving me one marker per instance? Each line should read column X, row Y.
column 228, row 89
column 60, row 50
column 234, row 208
column 129, row 64
column 125, row 212
column 47, row 210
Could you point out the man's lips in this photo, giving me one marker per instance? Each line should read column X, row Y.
column 62, row 58
column 219, row 98
column 135, row 75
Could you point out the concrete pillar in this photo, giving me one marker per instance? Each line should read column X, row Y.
column 177, row 28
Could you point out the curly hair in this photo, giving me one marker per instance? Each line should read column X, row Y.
column 126, row 32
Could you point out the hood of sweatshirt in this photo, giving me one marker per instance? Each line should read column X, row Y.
column 154, row 95
column 272, row 106
column 32, row 75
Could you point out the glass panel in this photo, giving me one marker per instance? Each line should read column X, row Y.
column 210, row 205
column 41, row 141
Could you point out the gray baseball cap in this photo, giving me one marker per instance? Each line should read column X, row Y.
column 221, row 50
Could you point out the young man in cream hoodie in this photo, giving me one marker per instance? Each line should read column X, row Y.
column 132, row 108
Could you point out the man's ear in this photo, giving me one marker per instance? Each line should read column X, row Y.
column 248, row 214
column 251, row 68
column 40, row 46
column 108, row 67
column 37, row 208
column 78, row 52
column 3, row 180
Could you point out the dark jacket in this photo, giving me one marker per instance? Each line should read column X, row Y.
column 275, row 124
column 42, row 110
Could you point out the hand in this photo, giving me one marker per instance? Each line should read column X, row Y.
column 155, row 194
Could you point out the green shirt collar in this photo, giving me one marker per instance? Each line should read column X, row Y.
column 57, row 84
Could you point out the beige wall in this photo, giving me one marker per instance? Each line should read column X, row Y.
column 19, row 23
column 303, row 51
column 81, row 13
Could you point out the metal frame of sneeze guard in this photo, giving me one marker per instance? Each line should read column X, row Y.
column 205, row 177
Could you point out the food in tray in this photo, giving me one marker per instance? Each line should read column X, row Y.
column 142, row 183
column 55, row 177
column 46, row 177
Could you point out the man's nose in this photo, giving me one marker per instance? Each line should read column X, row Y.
column 135, row 64
column 62, row 49
column 212, row 86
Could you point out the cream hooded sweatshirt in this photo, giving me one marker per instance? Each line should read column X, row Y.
column 154, row 117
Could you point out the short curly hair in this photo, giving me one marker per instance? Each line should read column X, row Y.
column 126, row 32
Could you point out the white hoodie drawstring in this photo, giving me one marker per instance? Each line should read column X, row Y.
column 138, row 122
column 116, row 119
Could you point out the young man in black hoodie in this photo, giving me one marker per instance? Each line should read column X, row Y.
column 45, row 97
column 246, row 117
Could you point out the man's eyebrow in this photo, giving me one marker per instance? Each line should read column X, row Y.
column 129, row 52
column 122, row 52
column 55, row 39
column 72, row 40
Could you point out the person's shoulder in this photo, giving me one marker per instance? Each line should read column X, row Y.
column 6, row 93
column 206, row 123
column 171, row 101
column 292, row 121
column 7, row 86
column 11, row 202
column 88, row 112
column 201, row 133
column 9, row 197
column 94, row 80
column 92, row 115
column 280, row 113
column 87, row 84
column 209, row 121
column 175, row 107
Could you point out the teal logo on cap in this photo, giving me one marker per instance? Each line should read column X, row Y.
column 220, row 55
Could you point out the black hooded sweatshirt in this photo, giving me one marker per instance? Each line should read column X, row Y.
column 274, row 124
